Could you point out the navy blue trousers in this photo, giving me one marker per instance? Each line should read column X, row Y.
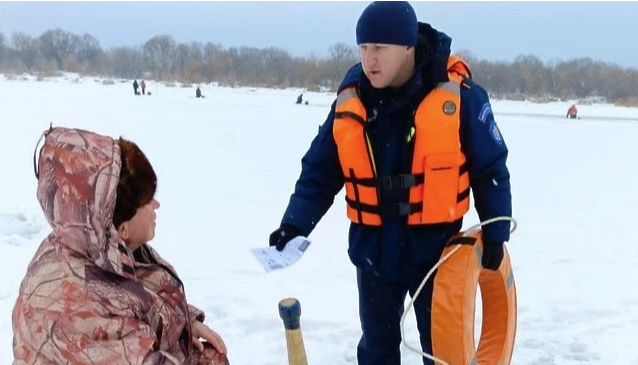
column 380, row 309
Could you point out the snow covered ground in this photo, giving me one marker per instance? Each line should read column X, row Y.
column 227, row 165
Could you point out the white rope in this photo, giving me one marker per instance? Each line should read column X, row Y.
column 427, row 277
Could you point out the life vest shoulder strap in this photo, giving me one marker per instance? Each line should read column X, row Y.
column 458, row 68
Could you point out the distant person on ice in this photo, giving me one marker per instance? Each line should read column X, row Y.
column 96, row 292
column 299, row 99
column 572, row 113
column 143, row 86
column 198, row 93
column 135, row 86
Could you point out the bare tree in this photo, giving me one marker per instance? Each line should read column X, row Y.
column 58, row 45
column 2, row 48
column 158, row 55
column 181, row 56
column 532, row 76
column 527, row 76
column 26, row 48
column 342, row 57
column 343, row 53
column 125, row 62
column 89, row 50
column 244, row 62
column 275, row 67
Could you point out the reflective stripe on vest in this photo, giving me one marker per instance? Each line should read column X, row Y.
column 439, row 181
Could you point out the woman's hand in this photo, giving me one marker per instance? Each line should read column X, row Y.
column 201, row 330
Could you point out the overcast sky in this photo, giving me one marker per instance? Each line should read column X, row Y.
column 604, row 31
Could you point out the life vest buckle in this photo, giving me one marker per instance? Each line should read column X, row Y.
column 404, row 209
column 407, row 180
column 402, row 181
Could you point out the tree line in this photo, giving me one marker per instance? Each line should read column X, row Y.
column 162, row 58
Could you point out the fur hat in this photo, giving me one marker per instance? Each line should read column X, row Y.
column 388, row 22
column 137, row 184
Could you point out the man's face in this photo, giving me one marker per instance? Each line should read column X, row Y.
column 386, row 64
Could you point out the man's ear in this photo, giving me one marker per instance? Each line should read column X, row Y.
column 123, row 230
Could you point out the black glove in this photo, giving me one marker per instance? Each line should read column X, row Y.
column 282, row 235
column 492, row 255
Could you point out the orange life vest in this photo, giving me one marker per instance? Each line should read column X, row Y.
column 439, row 185
column 572, row 110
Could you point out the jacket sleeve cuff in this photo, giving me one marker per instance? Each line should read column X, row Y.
column 497, row 232
column 196, row 314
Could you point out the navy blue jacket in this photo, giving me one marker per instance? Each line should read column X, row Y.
column 397, row 250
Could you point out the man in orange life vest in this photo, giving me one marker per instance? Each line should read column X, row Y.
column 408, row 135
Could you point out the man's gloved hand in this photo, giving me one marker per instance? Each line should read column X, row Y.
column 282, row 235
column 492, row 255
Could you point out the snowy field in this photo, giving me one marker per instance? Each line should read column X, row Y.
column 227, row 165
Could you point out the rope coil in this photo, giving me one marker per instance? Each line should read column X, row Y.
column 468, row 232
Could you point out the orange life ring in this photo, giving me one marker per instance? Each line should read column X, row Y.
column 453, row 306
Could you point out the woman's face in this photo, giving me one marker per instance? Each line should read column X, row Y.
column 141, row 228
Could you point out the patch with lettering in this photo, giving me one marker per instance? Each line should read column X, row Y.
column 486, row 110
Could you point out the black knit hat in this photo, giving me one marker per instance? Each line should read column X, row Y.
column 137, row 184
column 388, row 22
